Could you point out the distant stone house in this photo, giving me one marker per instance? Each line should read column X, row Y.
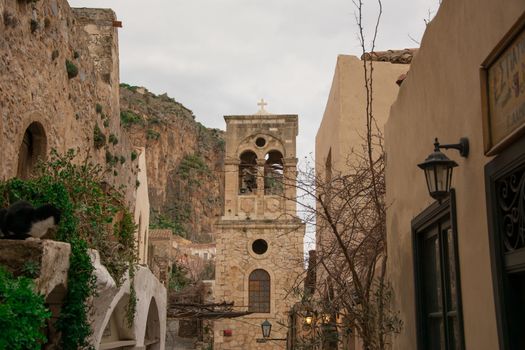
column 205, row 251
column 161, row 254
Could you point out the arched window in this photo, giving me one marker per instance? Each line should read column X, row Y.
column 259, row 291
column 248, row 173
column 33, row 148
column 273, row 173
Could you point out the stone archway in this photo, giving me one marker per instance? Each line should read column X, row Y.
column 117, row 332
column 152, row 337
column 32, row 148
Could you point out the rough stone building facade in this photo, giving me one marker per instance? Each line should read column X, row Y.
column 259, row 238
column 59, row 89
column 44, row 108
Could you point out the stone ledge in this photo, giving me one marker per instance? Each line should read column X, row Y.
column 48, row 259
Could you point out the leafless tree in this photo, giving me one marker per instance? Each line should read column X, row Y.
column 349, row 210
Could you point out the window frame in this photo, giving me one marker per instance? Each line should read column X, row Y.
column 434, row 216
column 269, row 298
column 504, row 164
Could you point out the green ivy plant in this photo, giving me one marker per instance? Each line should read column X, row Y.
column 99, row 139
column 72, row 69
column 152, row 134
column 22, row 313
column 128, row 118
column 93, row 215
column 178, row 279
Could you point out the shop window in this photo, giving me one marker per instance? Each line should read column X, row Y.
column 440, row 323
column 248, row 173
column 259, row 291
column 505, row 180
column 273, row 173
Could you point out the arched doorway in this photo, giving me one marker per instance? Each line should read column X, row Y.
column 152, row 337
column 32, row 148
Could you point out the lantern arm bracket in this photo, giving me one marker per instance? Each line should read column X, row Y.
column 264, row 340
column 462, row 146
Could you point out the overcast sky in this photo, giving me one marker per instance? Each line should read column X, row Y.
column 219, row 57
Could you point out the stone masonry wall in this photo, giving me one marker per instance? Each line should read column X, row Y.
column 36, row 39
column 236, row 260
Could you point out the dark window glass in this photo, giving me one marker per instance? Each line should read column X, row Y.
column 260, row 142
column 259, row 291
column 438, row 288
column 259, row 246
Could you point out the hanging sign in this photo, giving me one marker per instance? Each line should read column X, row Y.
column 503, row 91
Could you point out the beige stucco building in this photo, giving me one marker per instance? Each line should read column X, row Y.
column 457, row 266
column 341, row 135
column 259, row 239
column 343, row 125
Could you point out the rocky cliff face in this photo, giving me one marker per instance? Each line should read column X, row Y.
column 185, row 162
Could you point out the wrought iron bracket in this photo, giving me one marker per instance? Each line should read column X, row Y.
column 264, row 340
column 462, row 146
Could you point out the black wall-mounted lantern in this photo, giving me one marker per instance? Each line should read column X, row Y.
column 266, row 327
column 438, row 168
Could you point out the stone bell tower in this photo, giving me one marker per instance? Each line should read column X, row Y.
column 259, row 239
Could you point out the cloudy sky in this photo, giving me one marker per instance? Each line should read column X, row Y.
column 219, row 57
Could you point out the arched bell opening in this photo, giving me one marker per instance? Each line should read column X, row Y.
column 248, row 173
column 274, row 173
column 152, row 337
column 32, row 149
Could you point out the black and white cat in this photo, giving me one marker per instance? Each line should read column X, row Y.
column 21, row 220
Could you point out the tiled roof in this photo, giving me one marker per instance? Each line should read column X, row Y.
column 181, row 240
column 160, row 234
column 393, row 56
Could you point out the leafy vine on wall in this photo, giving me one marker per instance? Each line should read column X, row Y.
column 93, row 216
